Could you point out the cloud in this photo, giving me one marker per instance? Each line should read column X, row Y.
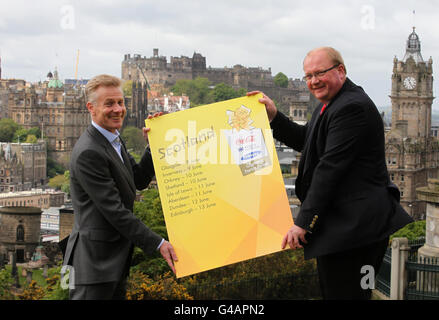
column 37, row 36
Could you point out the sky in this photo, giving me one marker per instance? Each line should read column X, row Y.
column 37, row 36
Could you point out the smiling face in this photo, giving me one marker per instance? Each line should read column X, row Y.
column 107, row 109
column 325, row 87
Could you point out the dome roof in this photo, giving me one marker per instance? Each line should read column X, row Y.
column 55, row 82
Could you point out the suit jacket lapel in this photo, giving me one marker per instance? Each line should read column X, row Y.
column 307, row 150
column 114, row 156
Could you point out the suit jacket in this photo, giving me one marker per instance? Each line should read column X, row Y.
column 103, row 189
column 342, row 180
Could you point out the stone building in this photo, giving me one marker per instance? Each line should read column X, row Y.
column 66, row 221
column 156, row 70
column 23, row 166
column 11, row 171
column 7, row 98
column 58, row 110
column 411, row 151
column 33, row 198
column 168, row 103
column 19, row 232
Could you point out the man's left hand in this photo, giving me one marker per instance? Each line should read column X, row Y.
column 146, row 130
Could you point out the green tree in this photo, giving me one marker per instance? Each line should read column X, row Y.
column 7, row 129
column 27, row 135
column 134, row 139
column 412, row 231
column 54, row 168
column 34, row 131
column 6, row 282
column 61, row 182
column 127, row 88
column 223, row 92
column 149, row 210
column 198, row 90
column 31, row 138
column 65, row 187
column 20, row 135
column 281, row 80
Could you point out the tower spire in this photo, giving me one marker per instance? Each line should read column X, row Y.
column 413, row 48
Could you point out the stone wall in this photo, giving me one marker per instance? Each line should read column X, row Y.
column 19, row 230
column 66, row 220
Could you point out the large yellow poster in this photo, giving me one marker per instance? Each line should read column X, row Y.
column 220, row 183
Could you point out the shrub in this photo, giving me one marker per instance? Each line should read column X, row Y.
column 164, row 287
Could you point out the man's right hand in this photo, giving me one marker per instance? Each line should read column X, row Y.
column 269, row 104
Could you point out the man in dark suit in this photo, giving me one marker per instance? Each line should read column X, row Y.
column 347, row 211
column 104, row 178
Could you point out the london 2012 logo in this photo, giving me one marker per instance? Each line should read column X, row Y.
column 246, row 142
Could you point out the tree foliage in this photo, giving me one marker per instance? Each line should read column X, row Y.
column 412, row 231
column 7, row 129
column 134, row 140
column 54, row 168
column 223, row 92
column 198, row 90
column 149, row 210
column 164, row 287
column 283, row 274
column 281, row 80
column 27, row 135
column 12, row 132
column 6, row 282
column 127, row 88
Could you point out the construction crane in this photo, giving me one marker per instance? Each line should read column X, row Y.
column 143, row 74
column 76, row 70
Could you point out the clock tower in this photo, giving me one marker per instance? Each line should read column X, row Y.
column 412, row 91
column 412, row 153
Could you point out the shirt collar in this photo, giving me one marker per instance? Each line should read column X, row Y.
column 110, row 136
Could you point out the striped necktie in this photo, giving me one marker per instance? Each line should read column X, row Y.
column 117, row 146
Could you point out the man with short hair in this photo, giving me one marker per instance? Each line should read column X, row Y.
column 103, row 182
column 347, row 211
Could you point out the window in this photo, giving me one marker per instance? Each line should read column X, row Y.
column 20, row 233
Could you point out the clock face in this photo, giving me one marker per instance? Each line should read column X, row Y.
column 409, row 83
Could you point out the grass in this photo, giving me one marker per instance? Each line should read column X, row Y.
column 37, row 275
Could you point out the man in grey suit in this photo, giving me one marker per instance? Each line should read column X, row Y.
column 104, row 178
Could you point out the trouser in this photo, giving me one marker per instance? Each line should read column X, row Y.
column 99, row 291
column 349, row 275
